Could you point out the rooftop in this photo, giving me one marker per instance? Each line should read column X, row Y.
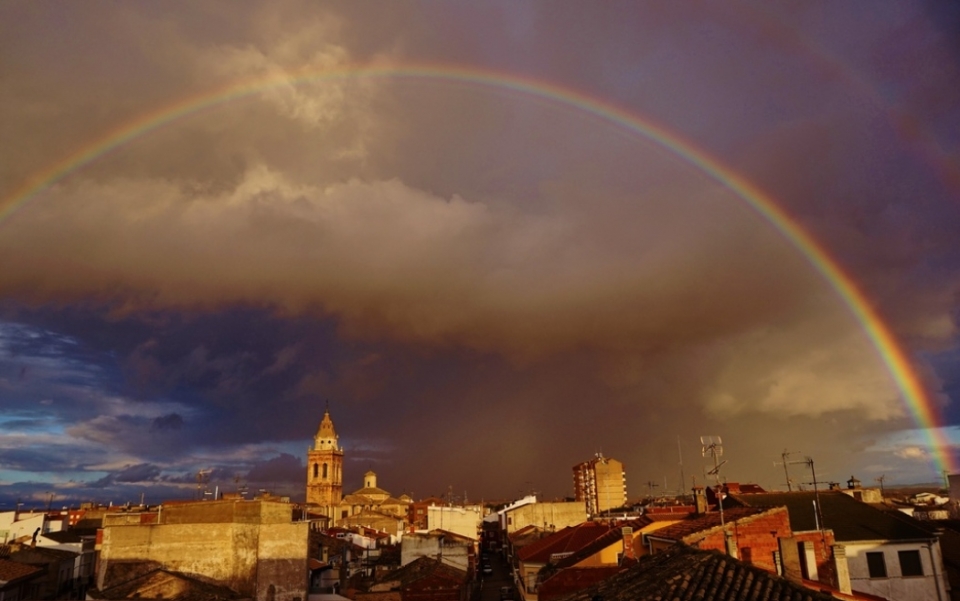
column 703, row 523
column 570, row 580
column 371, row 490
column 850, row 519
column 14, row 570
column 175, row 586
column 568, row 540
column 613, row 536
column 684, row 574
column 422, row 567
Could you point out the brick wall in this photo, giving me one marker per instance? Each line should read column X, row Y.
column 755, row 537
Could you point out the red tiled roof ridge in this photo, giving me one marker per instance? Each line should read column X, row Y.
column 602, row 542
column 707, row 523
column 542, row 543
column 441, row 532
column 686, row 573
column 422, row 567
column 561, row 541
column 11, row 570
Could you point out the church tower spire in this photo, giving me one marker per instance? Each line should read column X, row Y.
column 326, row 437
column 325, row 468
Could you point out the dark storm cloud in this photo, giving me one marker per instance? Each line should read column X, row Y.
column 38, row 458
column 171, row 421
column 138, row 473
column 143, row 472
column 464, row 271
column 282, row 468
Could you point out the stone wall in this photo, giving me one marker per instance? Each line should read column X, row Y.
column 555, row 516
column 252, row 547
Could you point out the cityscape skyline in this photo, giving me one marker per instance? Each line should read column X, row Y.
column 493, row 241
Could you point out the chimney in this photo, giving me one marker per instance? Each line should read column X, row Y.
column 699, row 500
column 808, row 560
column 841, row 569
column 628, row 552
column 790, row 559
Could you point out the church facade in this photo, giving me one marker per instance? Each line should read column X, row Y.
column 325, row 484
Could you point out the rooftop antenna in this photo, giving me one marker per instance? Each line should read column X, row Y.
column 202, row 478
column 713, row 446
column 818, row 512
column 680, row 456
column 785, row 456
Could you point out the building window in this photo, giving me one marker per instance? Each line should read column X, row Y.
column 910, row 563
column 315, row 468
column 324, row 471
column 876, row 565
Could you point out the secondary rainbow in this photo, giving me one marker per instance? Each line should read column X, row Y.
column 923, row 410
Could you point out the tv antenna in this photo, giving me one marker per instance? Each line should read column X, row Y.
column 680, row 457
column 713, row 446
column 818, row 512
column 203, row 476
column 785, row 456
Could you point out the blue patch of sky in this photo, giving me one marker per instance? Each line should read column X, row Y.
column 946, row 364
column 35, row 362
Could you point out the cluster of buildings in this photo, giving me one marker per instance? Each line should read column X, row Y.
column 730, row 542
column 826, row 542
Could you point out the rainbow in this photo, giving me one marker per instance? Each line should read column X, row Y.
column 914, row 134
column 920, row 405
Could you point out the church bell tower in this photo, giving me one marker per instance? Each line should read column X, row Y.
column 325, row 468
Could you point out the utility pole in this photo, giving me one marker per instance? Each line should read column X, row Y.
column 880, row 480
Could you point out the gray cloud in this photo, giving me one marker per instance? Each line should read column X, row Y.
column 171, row 421
column 143, row 472
column 284, row 468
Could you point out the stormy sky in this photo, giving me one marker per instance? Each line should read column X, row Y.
column 487, row 284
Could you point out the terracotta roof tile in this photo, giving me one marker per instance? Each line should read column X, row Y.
column 14, row 570
column 421, row 568
column 522, row 531
column 355, row 499
column 602, row 542
column 697, row 524
column 568, row 540
column 571, row 580
column 685, row 574
column 371, row 490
